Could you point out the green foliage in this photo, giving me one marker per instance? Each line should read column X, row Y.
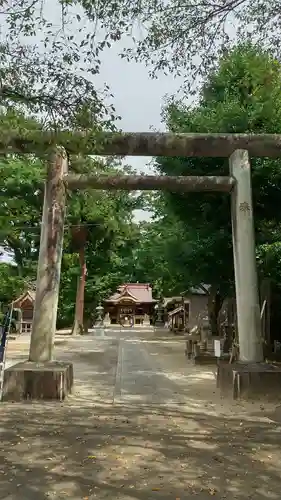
column 11, row 285
column 243, row 95
column 21, row 197
column 111, row 238
column 50, row 91
column 188, row 37
column 159, row 258
column 184, row 37
column 46, row 71
column 107, row 216
column 269, row 261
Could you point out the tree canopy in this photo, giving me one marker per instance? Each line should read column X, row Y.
column 46, row 83
column 184, row 37
column 242, row 95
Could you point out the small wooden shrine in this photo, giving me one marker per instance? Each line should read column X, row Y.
column 23, row 308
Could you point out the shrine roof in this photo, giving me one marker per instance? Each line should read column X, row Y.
column 29, row 295
column 175, row 311
column 139, row 292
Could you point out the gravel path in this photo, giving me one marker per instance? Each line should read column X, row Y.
column 141, row 424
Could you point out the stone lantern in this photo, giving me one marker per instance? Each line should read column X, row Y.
column 99, row 311
column 159, row 310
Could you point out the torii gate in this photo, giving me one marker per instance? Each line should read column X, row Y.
column 237, row 147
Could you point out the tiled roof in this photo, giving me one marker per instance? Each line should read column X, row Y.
column 139, row 292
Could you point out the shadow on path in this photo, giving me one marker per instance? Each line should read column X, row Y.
column 89, row 448
column 50, row 451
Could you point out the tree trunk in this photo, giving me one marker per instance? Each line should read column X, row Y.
column 78, row 324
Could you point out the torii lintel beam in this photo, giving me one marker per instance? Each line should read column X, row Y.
column 143, row 143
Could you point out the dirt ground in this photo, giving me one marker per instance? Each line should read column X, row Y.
column 142, row 424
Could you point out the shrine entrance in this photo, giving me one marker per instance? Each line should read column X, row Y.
column 132, row 304
column 126, row 318
column 237, row 183
column 237, row 147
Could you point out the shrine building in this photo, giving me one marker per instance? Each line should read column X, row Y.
column 131, row 305
column 23, row 308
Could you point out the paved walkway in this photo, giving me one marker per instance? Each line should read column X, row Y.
column 142, row 424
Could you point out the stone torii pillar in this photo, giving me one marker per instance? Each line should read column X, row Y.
column 49, row 261
column 41, row 377
column 243, row 237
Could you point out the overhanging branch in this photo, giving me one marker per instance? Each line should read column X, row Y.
column 143, row 144
column 150, row 183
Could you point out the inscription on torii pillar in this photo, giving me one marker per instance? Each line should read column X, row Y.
column 244, row 207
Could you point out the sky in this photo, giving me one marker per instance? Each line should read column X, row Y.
column 137, row 98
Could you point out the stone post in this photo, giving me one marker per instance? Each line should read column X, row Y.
column 49, row 261
column 106, row 320
column 243, row 236
column 159, row 311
